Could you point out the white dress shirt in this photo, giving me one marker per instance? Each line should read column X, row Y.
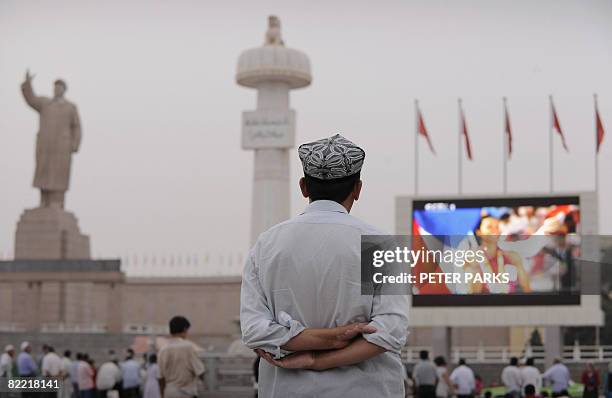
column 531, row 375
column 463, row 378
column 306, row 273
column 511, row 377
column 52, row 365
column 108, row 375
column 6, row 365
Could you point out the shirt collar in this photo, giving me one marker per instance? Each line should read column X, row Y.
column 325, row 205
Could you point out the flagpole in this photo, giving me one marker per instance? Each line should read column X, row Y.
column 416, row 148
column 505, row 147
column 596, row 149
column 550, row 145
column 459, row 151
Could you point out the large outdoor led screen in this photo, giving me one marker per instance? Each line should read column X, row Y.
column 533, row 241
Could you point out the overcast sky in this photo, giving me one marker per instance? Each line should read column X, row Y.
column 160, row 168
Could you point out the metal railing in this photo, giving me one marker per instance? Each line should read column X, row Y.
column 148, row 329
column 502, row 354
column 228, row 372
column 12, row 327
column 73, row 328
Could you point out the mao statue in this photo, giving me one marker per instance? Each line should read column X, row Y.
column 59, row 136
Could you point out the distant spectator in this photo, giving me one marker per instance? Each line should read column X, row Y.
column 130, row 374
column 590, row 380
column 179, row 365
column 464, row 380
column 6, row 365
column 511, row 377
column 530, row 375
column 109, row 376
column 26, row 367
column 66, row 391
column 151, row 388
column 6, row 361
column 478, row 385
column 444, row 388
column 425, row 376
column 85, row 378
column 530, row 391
column 74, row 374
column 94, row 373
column 51, row 366
column 558, row 376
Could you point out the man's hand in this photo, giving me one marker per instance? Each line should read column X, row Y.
column 357, row 351
column 311, row 339
column 300, row 360
column 344, row 334
column 28, row 76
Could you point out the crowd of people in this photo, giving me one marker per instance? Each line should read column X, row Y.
column 81, row 377
column 431, row 379
column 175, row 376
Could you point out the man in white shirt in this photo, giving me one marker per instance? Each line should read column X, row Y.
column 511, row 377
column 301, row 296
column 52, row 365
column 531, row 375
column 74, row 375
column 6, row 365
column 67, row 389
column 464, row 380
column 6, row 361
column 108, row 376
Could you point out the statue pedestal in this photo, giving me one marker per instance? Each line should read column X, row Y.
column 50, row 233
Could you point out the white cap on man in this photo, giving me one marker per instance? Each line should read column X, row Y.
column 25, row 345
column 9, row 348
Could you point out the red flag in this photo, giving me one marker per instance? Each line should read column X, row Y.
column 599, row 132
column 464, row 131
column 507, row 128
column 423, row 129
column 556, row 124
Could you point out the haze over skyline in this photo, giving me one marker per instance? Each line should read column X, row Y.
column 160, row 169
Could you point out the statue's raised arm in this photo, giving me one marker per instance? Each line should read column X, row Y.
column 28, row 93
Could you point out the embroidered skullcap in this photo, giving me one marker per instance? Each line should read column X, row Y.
column 331, row 158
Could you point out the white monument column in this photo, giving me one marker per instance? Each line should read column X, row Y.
column 269, row 130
